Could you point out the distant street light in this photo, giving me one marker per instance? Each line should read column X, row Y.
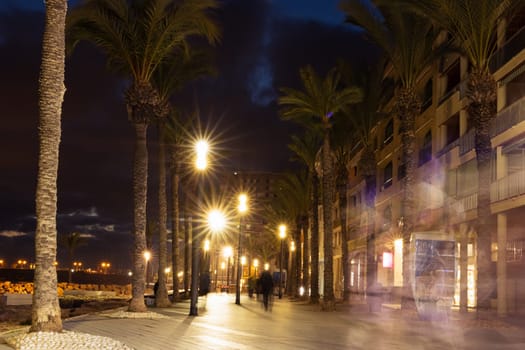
column 255, row 266
column 216, row 223
column 242, row 208
column 147, row 257
column 228, row 252
column 282, row 236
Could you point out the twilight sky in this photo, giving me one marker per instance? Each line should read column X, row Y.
column 265, row 42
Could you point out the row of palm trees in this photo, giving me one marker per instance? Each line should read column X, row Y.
column 149, row 44
column 143, row 38
column 406, row 32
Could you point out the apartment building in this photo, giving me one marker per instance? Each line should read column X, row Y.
column 446, row 179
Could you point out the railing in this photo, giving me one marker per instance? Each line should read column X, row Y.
column 466, row 142
column 449, row 93
column 469, row 202
column 510, row 49
column 507, row 187
column 506, row 119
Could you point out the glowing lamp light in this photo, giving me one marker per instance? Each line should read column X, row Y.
column 282, row 231
column 216, row 220
column 147, row 255
column 201, row 161
column 388, row 260
column 243, row 203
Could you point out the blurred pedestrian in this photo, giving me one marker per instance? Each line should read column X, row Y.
column 204, row 284
column 266, row 281
column 156, row 288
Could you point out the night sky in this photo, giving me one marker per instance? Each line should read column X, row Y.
column 265, row 42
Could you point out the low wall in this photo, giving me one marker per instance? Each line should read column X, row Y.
column 106, row 290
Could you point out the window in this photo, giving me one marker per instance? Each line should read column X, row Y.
column 387, row 176
column 453, row 76
column 387, row 217
column 467, row 179
column 425, row 152
column 389, row 132
column 452, row 129
column 515, row 250
column 451, row 183
column 426, row 97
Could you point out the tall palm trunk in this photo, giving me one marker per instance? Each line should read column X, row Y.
column 187, row 252
column 314, row 296
column 482, row 108
column 305, row 255
column 161, row 299
column 46, row 310
column 368, row 166
column 328, row 195
column 140, row 178
column 296, row 260
column 341, row 190
column 408, row 106
column 175, row 226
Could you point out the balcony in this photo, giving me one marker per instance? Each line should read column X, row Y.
column 508, row 117
column 505, row 119
column 510, row 49
column 508, row 187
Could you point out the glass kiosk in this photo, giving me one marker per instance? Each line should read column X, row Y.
column 433, row 262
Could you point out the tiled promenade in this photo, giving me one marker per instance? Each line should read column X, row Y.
column 293, row 325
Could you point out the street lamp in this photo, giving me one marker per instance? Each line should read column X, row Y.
column 242, row 208
column 201, row 163
column 228, row 252
column 255, row 266
column 282, row 235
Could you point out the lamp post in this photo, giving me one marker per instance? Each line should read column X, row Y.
column 228, row 252
column 201, row 163
column 242, row 208
column 216, row 223
column 282, row 235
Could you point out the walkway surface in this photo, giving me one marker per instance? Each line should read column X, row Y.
column 293, row 325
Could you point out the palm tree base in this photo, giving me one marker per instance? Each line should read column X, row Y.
column 328, row 305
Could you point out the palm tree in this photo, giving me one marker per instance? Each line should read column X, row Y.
column 175, row 134
column 71, row 242
column 406, row 41
column 363, row 117
column 306, row 149
column 46, row 314
column 292, row 199
column 171, row 76
column 342, row 143
column 315, row 107
column 474, row 24
column 137, row 37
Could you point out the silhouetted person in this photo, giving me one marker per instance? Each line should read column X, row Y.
column 204, row 284
column 156, row 288
column 266, row 287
